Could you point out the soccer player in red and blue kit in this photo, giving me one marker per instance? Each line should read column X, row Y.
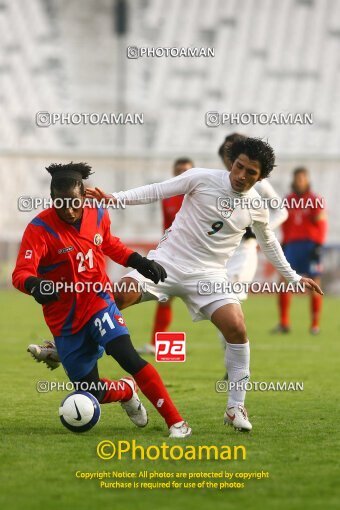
column 304, row 233
column 67, row 245
column 170, row 207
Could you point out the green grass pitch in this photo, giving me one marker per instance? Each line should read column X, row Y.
column 295, row 434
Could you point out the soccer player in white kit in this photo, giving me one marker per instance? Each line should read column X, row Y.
column 242, row 265
column 206, row 232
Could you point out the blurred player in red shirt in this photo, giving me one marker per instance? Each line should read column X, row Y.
column 170, row 207
column 304, row 233
column 61, row 263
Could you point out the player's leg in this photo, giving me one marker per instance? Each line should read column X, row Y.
column 110, row 331
column 213, row 299
column 128, row 295
column 123, row 391
column 293, row 253
column 284, row 303
column 313, row 269
column 241, row 267
column 229, row 319
column 163, row 318
column 162, row 321
column 79, row 354
column 150, row 383
column 315, row 308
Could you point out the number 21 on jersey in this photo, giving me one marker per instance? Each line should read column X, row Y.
column 85, row 261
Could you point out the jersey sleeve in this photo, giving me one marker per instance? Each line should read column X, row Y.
column 277, row 215
column 273, row 251
column 33, row 247
column 112, row 246
column 180, row 185
column 322, row 226
column 320, row 220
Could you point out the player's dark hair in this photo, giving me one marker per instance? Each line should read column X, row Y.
column 300, row 170
column 256, row 150
column 297, row 171
column 66, row 177
column 183, row 161
column 229, row 139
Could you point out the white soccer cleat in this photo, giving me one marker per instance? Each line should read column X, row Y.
column 134, row 407
column 238, row 418
column 146, row 349
column 47, row 353
column 180, row 430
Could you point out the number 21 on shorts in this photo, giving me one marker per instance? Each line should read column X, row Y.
column 99, row 323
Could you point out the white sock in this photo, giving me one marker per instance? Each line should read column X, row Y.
column 237, row 357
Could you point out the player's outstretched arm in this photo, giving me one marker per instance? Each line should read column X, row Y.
column 180, row 185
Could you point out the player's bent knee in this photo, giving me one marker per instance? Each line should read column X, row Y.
column 237, row 332
column 122, row 350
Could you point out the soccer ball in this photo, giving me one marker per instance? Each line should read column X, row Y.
column 79, row 411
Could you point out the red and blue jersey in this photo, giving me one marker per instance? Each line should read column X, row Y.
column 306, row 219
column 54, row 250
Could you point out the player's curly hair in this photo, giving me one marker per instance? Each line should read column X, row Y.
column 256, row 150
column 66, row 177
column 229, row 139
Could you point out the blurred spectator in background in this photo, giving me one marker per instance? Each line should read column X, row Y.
column 304, row 233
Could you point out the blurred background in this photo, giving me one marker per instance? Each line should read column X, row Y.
column 70, row 56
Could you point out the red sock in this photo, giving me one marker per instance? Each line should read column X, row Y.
column 316, row 305
column 284, row 304
column 116, row 391
column 163, row 319
column 153, row 388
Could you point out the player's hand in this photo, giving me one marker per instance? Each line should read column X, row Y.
column 148, row 268
column 99, row 195
column 311, row 285
column 42, row 290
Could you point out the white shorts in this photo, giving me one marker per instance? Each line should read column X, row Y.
column 202, row 292
column 241, row 267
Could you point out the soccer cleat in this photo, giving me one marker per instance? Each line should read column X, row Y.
column 280, row 329
column 315, row 330
column 238, row 418
column 180, row 430
column 146, row 349
column 134, row 407
column 47, row 353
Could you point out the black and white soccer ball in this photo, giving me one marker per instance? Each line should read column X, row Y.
column 79, row 411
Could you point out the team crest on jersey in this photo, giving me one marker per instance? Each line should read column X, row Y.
column 120, row 320
column 98, row 240
column 226, row 206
